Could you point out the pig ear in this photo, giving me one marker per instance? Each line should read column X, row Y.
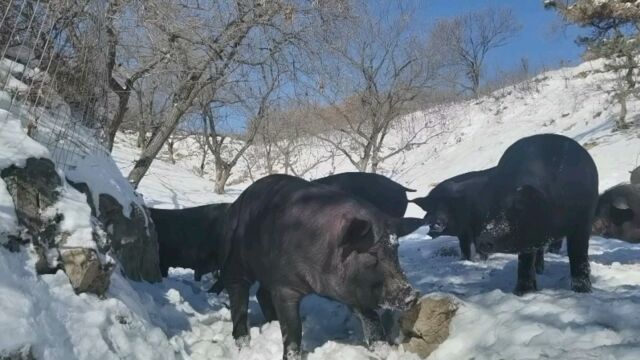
column 422, row 202
column 357, row 235
column 405, row 226
column 620, row 211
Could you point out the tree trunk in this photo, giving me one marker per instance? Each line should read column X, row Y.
column 203, row 162
column 152, row 149
column 142, row 135
column 186, row 94
column 621, row 123
column 170, row 149
column 475, row 79
column 116, row 122
column 374, row 165
column 222, row 176
column 287, row 162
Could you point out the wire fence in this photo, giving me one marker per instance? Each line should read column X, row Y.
column 53, row 74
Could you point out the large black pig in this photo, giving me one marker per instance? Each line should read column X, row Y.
column 618, row 213
column 451, row 208
column 190, row 237
column 544, row 187
column 297, row 238
column 385, row 194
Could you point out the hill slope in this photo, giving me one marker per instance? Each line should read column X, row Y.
column 176, row 319
column 553, row 323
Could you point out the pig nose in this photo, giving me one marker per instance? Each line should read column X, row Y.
column 408, row 298
column 412, row 299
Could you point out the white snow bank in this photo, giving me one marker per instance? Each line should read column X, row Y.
column 102, row 176
column 169, row 186
column 8, row 218
column 44, row 312
column 553, row 323
column 15, row 146
column 76, row 221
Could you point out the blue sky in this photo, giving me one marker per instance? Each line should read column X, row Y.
column 538, row 40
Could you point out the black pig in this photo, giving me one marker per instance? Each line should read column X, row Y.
column 297, row 238
column 543, row 188
column 385, row 194
column 190, row 237
column 451, row 208
column 618, row 213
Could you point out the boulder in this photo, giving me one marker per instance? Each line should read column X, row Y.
column 426, row 325
column 132, row 240
column 34, row 188
column 85, row 270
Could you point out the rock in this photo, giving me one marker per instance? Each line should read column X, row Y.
column 635, row 176
column 34, row 188
column 24, row 353
column 425, row 326
column 85, row 270
column 133, row 241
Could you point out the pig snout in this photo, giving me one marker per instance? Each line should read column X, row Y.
column 402, row 297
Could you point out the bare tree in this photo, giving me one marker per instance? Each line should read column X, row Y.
column 368, row 78
column 200, row 138
column 121, row 78
column 254, row 100
column 464, row 41
column 213, row 39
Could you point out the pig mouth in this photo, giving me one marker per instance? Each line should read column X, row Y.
column 404, row 300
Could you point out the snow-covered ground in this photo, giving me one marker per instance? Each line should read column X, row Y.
column 178, row 320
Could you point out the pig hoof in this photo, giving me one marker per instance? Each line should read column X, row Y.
column 243, row 341
column 292, row 354
column 525, row 287
column 581, row 285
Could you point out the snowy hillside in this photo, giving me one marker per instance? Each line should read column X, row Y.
column 494, row 324
column 177, row 319
column 569, row 101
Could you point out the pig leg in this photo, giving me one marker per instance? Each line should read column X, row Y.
column 540, row 261
column 578, row 250
column 266, row 304
column 238, row 291
column 526, row 273
column 287, row 305
column 465, row 247
column 555, row 246
column 481, row 255
column 372, row 330
column 197, row 275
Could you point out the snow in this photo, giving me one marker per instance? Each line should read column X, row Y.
column 552, row 323
column 97, row 171
column 168, row 186
column 177, row 319
column 15, row 146
column 8, row 218
column 76, row 221
column 43, row 311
